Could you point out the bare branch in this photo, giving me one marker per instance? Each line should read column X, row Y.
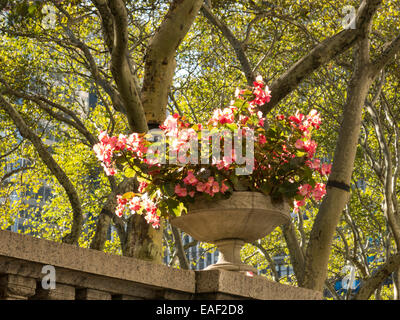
column 387, row 55
column 235, row 43
column 295, row 252
column 180, row 252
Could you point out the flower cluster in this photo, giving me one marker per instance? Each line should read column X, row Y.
column 138, row 205
column 282, row 164
column 105, row 150
column 192, row 184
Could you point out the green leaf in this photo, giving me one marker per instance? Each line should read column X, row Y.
column 169, row 189
column 300, row 154
column 129, row 172
column 232, row 126
column 32, row 9
column 174, row 206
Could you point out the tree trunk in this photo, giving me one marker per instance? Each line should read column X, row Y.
column 396, row 284
column 143, row 241
column 321, row 237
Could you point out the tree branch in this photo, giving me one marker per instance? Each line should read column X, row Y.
column 107, row 215
column 320, row 55
column 387, row 55
column 121, row 71
column 160, row 57
column 53, row 166
column 271, row 262
column 295, row 251
column 373, row 282
column 235, row 43
column 180, row 252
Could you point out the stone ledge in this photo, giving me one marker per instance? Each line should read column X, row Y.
column 94, row 262
column 89, row 274
column 255, row 287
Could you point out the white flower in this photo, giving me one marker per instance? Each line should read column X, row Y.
column 259, row 79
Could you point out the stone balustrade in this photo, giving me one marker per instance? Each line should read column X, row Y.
column 85, row 274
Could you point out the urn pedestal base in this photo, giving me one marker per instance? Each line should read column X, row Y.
column 229, row 223
column 229, row 256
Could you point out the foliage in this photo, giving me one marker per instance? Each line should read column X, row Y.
column 274, row 35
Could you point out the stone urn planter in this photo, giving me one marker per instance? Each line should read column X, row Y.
column 244, row 217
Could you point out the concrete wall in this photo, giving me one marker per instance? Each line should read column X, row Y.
column 84, row 274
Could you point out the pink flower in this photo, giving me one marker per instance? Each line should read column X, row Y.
column 191, row 193
column 305, row 189
column 228, row 116
column 238, row 93
column 186, row 134
column 223, row 188
column 135, row 204
column 232, row 107
column 228, row 159
column 170, row 124
column 180, row 191
column 261, row 119
column 298, row 204
column 262, row 139
column 201, row 187
column 310, row 146
column 217, row 114
column 142, row 186
column 153, row 219
column 215, row 187
column 319, row 191
column 259, row 80
column 110, row 171
column 314, row 119
column 120, row 143
column 297, row 118
column 150, row 206
column 261, row 96
column 103, row 137
column 222, row 116
column 243, row 119
column 135, row 143
column 299, row 144
column 104, row 149
column 121, row 203
column 326, row 169
column 267, row 92
column 315, row 164
column 220, row 164
column 190, row 179
column 211, row 186
column 119, row 211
